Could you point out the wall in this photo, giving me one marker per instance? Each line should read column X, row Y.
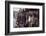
column 2, row 18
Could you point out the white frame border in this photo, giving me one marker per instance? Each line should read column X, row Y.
column 29, row 28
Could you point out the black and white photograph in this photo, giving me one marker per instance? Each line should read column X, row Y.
column 24, row 17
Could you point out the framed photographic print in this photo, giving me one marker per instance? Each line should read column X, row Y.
column 24, row 17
